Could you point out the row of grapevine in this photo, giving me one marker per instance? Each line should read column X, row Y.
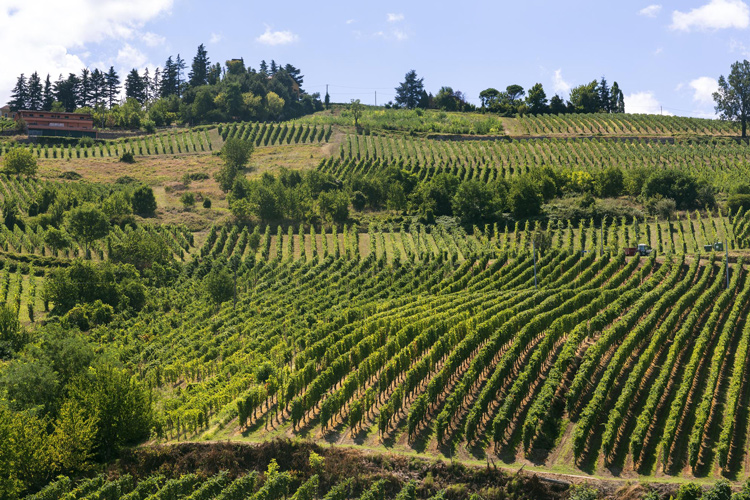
column 272, row 134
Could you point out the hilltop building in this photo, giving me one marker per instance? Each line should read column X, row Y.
column 57, row 124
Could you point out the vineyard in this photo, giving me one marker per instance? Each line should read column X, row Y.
column 460, row 345
column 622, row 124
column 722, row 162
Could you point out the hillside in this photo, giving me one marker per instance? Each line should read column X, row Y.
column 411, row 326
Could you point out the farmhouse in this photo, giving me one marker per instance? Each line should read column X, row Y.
column 57, row 124
column 5, row 112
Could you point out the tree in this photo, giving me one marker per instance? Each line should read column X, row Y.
column 733, row 96
column 20, row 161
column 56, row 239
column 474, row 201
column 515, row 92
column 84, row 95
column 88, row 224
column 144, row 202
column 48, row 97
column 188, row 200
column 135, row 87
column 199, row 70
column 274, row 104
column 489, row 98
column 616, row 99
column 219, row 285
column 557, row 105
column 19, row 98
column 112, row 86
column 536, row 100
column 236, row 153
column 585, row 98
column 36, row 98
column 356, row 108
column 524, row 198
column 605, row 97
column 74, row 438
column 409, row 92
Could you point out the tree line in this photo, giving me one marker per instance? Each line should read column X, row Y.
column 594, row 97
column 208, row 93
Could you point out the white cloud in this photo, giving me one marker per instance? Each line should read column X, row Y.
column 53, row 38
column 400, row 35
column 277, row 37
column 643, row 102
column 715, row 15
column 130, row 57
column 559, row 85
column 703, row 89
column 351, row 21
column 394, row 18
column 153, row 40
column 658, row 51
column 215, row 38
column 650, row 11
column 738, row 46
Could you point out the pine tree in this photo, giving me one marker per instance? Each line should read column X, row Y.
column 214, row 74
column 85, row 89
column 36, row 99
column 154, row 88
column 113, row 86
column 616, row 99
column 410, row 92
column 48, row 96
column 19, row 98
column 135, row 87
column 169, row 79
column 180, row 65
column 67, row 92
column 200, row 68
column 605, row 98
column 146, row 79
column 295, row 74
column 274, row 68
column 98, row 87
column 263, row 68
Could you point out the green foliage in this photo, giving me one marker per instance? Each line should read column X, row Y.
column 20, row 161
column 142, row 249
column 88, row 224
column 524, row 199
column 12, row 336
column 235, row 153
column 721, row 490
column 57, row 239
column 219, row 285
column 689, row 491
column 583, row 492
column 127, row 157
column 188, row 200
column 475, row 201
column 144, row 202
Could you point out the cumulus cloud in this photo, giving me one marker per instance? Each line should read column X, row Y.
column 277, row 37
column 130, row 57
column 153, row 40
column 559, row 85
column 643, row 102
column 703, row 89
column 715, row 15
column 650, row 11
column 54, row 39
column 395, row 18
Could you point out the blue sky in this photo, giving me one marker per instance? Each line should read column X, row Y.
column 664, row 55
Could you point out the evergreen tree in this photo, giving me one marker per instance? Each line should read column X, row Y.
column 19, row 98
column 536, row 100
column 98, row 87
column 295, row 74
column 113, row 86
column 409, row 92
column 146, row 79
column 169, row 80
column 155, row 88
column 557, row 105
column 274, row 68
column 263, row 68
column 84, row 96
column 214, row 74
column 67, row 91
column 135, row 87
column 199, row 71
column 616, row 99
column 36, row 99
column 180, row 66
column 48, row 96
column 328, row 101
column 605, row 97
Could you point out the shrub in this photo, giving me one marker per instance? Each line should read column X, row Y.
column 127, row 157
column 144, row 202
column 207, row 203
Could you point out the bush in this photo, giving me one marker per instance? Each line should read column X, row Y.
column 187, row 200
column 737, row 201
column 86, row 142
column 20, row 161
column 662, row 207
column 127, row 157
column 674, row 184
column 144, row 202
column 689, row 491
column 71, row 176
column 207, row 203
